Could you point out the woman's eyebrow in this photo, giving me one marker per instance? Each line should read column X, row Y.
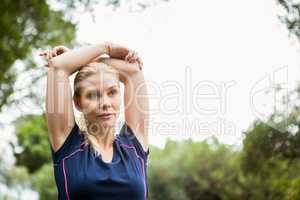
column 112, row 86
column 94, row 90
column 91, row 91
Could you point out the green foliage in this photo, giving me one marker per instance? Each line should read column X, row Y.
column 194, row 170
column 264, row 141
column 27, row 25
column 43, row 182
column 32, row 134
column 272, row 155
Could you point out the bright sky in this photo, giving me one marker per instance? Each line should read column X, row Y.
column 226, row 52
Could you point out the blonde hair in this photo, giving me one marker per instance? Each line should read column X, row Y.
column 85, row 72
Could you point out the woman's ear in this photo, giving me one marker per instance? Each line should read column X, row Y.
column 77, row 103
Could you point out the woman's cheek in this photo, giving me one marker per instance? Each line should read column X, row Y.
column 116, row 104
column 89, row 105
column 93, row 105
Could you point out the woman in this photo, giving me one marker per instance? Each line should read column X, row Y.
column 96, row 163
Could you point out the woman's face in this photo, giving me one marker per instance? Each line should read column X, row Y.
column 101, row 94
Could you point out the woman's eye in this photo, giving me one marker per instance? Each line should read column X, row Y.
column 92, row 95
column 113, row 92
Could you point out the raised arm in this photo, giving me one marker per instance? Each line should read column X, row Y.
column 73, row 60
column 135, row 97
column 59, row 107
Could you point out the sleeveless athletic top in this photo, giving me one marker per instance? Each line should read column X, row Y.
column 81, row 175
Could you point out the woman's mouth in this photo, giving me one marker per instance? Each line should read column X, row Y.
column 105, row 116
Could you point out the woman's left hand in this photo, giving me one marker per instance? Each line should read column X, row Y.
column 132, row 57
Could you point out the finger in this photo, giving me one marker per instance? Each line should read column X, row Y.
column 60, row 50
column 140, row 61
column 54, row 53
column 132, row 60
column 128, row 57
column 141, row 65
column 130, row 54
column 49, row 56
column 138, row 64
column 135, row 56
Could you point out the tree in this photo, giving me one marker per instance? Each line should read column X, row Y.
column 43, row 182
column 195, row 170
column 271, row 152
column 291, row 16
column 271, row 158
column 32, row 134
column 27, row 25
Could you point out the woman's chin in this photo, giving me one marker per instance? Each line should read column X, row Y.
column 107, row 122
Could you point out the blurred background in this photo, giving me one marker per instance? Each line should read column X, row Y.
column 223, row 83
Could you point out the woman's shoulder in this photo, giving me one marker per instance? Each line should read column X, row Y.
column 128, row 140
column 74, row 141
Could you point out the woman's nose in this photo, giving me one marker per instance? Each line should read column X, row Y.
column 104, row 102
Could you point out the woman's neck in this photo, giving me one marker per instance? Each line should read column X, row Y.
column 104, row 136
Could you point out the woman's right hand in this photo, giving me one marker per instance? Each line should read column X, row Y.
column 56, row 51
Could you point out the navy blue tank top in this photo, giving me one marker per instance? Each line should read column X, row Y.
column 81, row 175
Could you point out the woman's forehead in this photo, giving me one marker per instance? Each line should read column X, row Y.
column 100, row 82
